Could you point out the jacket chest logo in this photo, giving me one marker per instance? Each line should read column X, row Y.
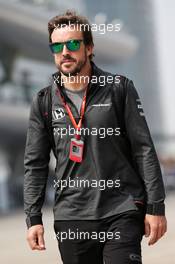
column 109, row 104
column 58, row 113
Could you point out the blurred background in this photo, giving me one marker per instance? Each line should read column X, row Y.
column 143, row 50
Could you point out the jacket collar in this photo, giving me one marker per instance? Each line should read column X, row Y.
column 92, row 87
column 96, row 72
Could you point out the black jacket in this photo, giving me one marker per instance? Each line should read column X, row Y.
column 129, row 157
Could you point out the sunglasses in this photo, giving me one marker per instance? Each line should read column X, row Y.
column 72, row 45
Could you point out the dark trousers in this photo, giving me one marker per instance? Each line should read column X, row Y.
column 112, row 240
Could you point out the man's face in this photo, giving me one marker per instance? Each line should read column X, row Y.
column 70, row 62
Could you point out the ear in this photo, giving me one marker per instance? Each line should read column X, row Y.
column 89, row 49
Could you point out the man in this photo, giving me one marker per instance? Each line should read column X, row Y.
column 108, row 179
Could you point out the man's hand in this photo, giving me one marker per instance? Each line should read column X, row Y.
column 35, row 237
column 155, row 227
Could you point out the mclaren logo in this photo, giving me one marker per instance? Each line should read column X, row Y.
column 58, row 113
column 101, row 104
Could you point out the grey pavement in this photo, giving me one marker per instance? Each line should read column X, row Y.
column 14, row 248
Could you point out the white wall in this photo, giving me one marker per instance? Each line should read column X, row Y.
column 165, row 33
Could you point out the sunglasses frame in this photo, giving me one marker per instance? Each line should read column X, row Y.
column 63, row 43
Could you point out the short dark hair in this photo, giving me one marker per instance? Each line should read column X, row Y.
column 71, row 18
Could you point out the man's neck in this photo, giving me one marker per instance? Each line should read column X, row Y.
column 80, row 81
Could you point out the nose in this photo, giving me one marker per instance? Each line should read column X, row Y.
column 65, row 51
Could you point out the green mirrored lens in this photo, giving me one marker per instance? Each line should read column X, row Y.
column 73, row 45
column 57, row 47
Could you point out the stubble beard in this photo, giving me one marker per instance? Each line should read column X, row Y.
column 78, row 67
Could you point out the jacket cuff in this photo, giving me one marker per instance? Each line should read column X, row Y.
column 156, row 209
column 34, row 220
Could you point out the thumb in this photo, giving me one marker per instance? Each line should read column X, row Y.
column 41, row 241
column 147, row 229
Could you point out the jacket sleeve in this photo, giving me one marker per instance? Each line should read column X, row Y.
column 36, row 165
column 143, row 151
